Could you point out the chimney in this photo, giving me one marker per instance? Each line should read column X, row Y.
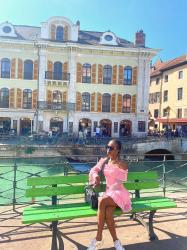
column 140, row 39
column 78, row 24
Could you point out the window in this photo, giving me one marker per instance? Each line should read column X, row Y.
column 108, row 38
column 126, row 104
column 57, row 73
column 166, row 78
column 106, row 103
column 157, row 80
column 157, row 97
column 70, row 128
column 107, row 76
column 165, row 112
column 28, row 70
column 7, row 29
column 180, row 76
column 141, row 126
column 94, row 126
column 179, row 93
column 156, row 113
column 127, row 75
column 165, row 98
column 59, row 34
column 5, row 68
column 4, row 98
column 86, row 73
column 27, row 98
column 179, row 113
column 57, row 99
column 85, row 101
column 115, row 127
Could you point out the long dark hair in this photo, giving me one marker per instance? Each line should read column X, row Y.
column 118, row 144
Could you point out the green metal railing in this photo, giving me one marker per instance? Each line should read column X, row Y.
column 15, row 171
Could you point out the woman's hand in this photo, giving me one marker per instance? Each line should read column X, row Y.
column 97, row 181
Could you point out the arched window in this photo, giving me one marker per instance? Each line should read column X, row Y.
column 59, row 34
column 28, row 69
column 86, row 73
column 107, row 75
column 57, row 73
column 85, row 101
column 4, row 98
column 106, row 103
column 5, row 68
column 127, row 75
column 126, row 104
column 27, row 98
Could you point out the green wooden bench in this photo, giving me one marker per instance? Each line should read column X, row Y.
column 63, row 191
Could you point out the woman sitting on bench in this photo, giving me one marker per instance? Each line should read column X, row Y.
column 116, row 195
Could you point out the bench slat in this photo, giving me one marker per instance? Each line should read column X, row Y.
column 50, row 180
column 141, row 185
column 52, row 191
column 61, row 212
column 152, row 175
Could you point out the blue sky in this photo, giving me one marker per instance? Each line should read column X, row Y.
column 163, row 21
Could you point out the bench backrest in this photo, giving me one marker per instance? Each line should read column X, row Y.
column 75, row 184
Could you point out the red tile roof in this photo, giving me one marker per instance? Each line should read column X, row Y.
column 160, row 66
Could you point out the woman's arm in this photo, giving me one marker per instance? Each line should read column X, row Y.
column 94, row 178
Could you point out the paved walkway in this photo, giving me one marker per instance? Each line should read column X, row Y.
column 170, row 227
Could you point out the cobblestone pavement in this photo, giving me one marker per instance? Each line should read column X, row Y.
column 170, row 226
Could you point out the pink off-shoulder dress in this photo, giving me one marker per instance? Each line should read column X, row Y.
column 115, row 177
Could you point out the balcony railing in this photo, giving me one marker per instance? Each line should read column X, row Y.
column 66, row 106
column 57, row 76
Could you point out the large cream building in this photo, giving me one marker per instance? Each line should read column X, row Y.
column 60, row 77
column 168, row 94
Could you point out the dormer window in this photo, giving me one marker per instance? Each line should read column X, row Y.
column 7, row 29
column 108, row 38
column 59, row 33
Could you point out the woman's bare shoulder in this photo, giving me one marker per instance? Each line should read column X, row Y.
column 123, row 164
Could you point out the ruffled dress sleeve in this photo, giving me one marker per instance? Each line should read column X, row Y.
column 94, row 172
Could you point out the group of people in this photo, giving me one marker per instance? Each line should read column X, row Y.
column 115, row 171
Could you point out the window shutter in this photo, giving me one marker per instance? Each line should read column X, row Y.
column 49, row 66
column 99, row 102
column 100, row 73
column 134, row 76
column 64, row 96
column 34, row 99
column 19, row 98
column 49, row 96
column 20, row 69
column 133, row 104
column 119, row 103
column 65, row 67
column 36, row 70
column 13, row 68
column 94, row 73
column 12, row 98
column 79, row 72
column 78, row 101
column 93, row 102
column 120, row 74
column 53, row 31
column 113, row 102
column 66, row 33
column 114, row 74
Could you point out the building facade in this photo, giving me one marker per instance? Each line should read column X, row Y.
column 168, row 95
column 60, row 77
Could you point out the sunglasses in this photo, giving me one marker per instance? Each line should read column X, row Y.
column 109, row 148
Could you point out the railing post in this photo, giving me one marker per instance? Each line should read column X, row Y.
column 164, row 176
column 65, row 170
column 14, row 187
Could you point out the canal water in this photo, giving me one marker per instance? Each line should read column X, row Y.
column 16, row 172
